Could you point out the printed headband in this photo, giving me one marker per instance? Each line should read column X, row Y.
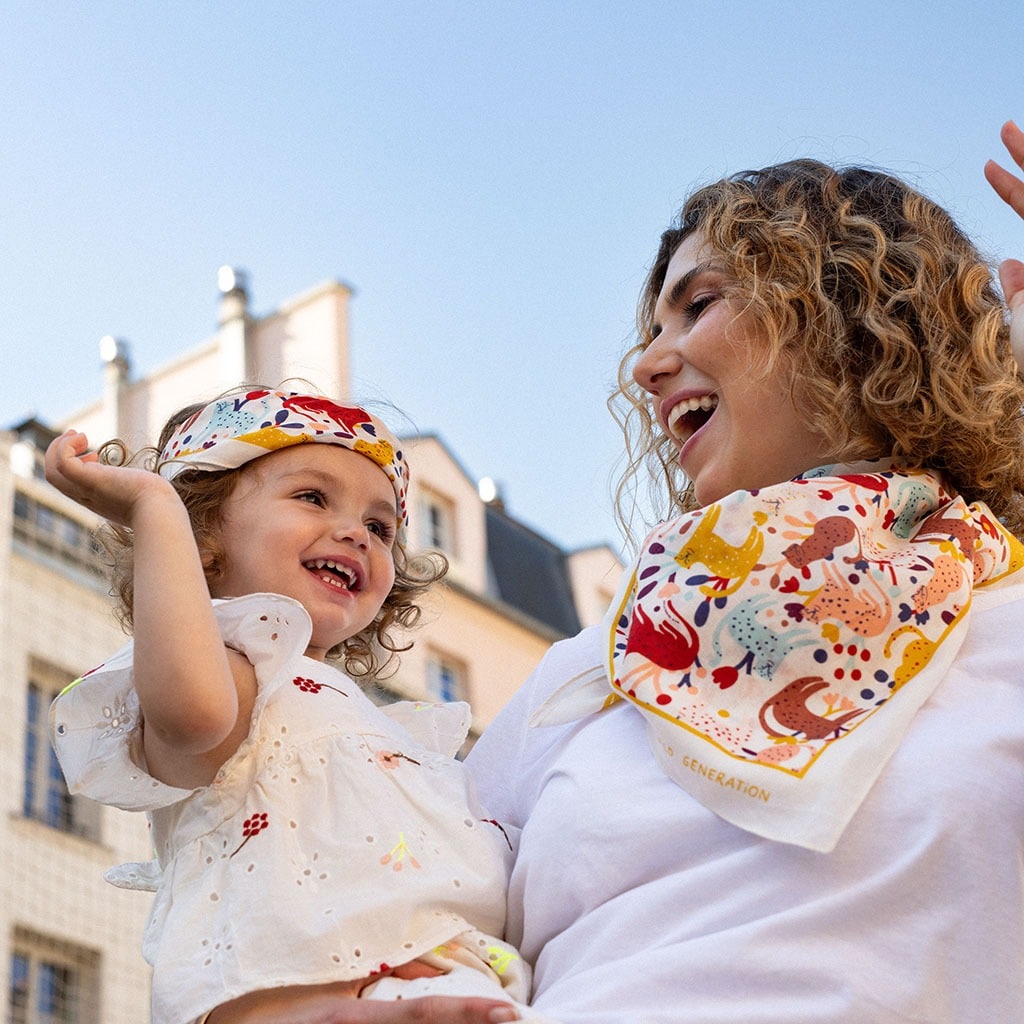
column 232, row 431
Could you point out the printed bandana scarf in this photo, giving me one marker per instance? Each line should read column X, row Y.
column 236, row 429
column 780, row 641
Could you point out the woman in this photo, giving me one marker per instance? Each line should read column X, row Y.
column 795, row 318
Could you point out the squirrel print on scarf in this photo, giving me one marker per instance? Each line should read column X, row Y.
column 947, row 579
column 828, row 533
column 866, row 613
column 764, row 648
column 790, row 711
column 955, row 530
column 728, row 564
column 916, row 654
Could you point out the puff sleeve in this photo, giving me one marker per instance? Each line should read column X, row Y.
column 96, row 723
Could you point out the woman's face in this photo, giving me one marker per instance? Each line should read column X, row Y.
column 734, row 423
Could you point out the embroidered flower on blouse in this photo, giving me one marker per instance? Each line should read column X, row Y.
column 311, row 686
column 500, row 958
column 389, row 759
column 252, row 826
column 118, row 719
column 399, row 855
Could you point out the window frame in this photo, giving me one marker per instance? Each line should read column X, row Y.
column 447, row 677
column 51, row 981
column 40, row 527
column 437, row 522
column 45, row 795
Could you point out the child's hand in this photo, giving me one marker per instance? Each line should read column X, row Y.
column 112, row 491
column 1010, row 189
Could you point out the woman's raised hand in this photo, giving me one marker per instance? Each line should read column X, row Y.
column 1010, row 189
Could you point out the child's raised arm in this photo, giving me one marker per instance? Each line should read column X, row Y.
column 189, row 685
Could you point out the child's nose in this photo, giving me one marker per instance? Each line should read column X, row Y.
column 355, row 531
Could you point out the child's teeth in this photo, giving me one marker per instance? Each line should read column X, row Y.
column 347, row 577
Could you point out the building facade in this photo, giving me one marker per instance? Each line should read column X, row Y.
column 69, row 940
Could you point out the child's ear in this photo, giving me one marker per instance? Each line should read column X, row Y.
column 210, row 557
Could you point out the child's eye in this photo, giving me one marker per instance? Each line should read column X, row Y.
column 382, row 529
column 313, row 497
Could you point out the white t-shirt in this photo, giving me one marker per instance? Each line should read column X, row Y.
column 636, row 904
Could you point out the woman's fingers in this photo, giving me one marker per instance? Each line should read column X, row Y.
column 1007, row 185
column 1013, row 140
column 336, row 1004
column 1010, row 188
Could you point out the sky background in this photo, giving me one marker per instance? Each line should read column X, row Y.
column 490, row 177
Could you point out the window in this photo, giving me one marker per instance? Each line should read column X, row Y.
column 42, row 528
column 437, row 523
column 51, row 982
column 446, row 678
column 46, row 797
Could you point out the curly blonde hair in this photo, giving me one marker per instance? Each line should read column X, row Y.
column 882, row 312
column 367, row 654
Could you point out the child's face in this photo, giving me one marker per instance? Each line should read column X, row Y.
column 314, row 522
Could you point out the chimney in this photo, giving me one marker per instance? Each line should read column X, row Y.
column 233, row 320
column 116, row 373
column 490, row 493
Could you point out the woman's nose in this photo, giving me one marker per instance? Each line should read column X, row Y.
column 660, row 360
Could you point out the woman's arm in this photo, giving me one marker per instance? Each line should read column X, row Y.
column 188, row 688
column 336, row 1004
column 1010, row 189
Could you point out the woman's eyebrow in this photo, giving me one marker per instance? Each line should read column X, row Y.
column 678, row 290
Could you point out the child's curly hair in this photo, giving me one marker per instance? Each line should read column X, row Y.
column 884, row 314
column 366, row 654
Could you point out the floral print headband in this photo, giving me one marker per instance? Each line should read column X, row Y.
column 231, row 431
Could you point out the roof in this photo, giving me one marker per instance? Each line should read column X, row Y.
column 35, row 432
column 530, row 573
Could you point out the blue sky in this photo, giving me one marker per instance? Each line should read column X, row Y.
column 491, row 177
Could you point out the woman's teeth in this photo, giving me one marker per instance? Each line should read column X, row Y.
column 689, row 406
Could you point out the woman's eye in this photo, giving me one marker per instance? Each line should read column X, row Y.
column 697, row 305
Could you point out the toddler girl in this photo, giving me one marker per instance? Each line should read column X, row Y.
column 303, row 834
